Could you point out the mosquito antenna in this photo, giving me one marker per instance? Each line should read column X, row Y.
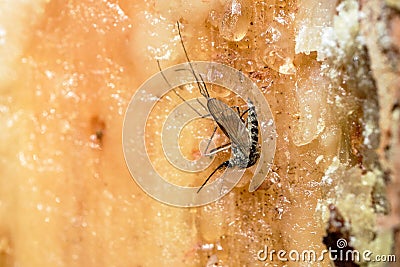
column 176, row 92
column 203, row 90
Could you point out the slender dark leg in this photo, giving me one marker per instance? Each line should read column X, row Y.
column 176, row 92
column 244, row 112
column 238, row 111
column 209, row 141
column 201, row 104
column 223, row 165
column 200, row 88
column 203, row 90
column 205, row 116
column 219, row 149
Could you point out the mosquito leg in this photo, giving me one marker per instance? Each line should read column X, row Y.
column 176, row 92
column 201, row 104
column 203, row 90
column 206, row 116
column 219, row 149
column 200, row 88
column 223, row 165
column 209, row 141
column 244, row 112
column 162, row 73
column 237, row 109
column 187, row 103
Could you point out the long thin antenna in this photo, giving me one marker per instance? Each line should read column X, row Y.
column 203, row 90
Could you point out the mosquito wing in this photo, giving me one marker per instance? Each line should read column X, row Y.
column 230, row 123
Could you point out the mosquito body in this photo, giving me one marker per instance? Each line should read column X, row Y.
column 244, row 140
column 243, row 134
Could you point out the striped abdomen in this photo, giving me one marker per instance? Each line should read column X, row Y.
column 252, row 126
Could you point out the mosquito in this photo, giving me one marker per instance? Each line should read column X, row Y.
column 243, row 135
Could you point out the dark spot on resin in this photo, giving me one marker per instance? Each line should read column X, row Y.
column 97, row 131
